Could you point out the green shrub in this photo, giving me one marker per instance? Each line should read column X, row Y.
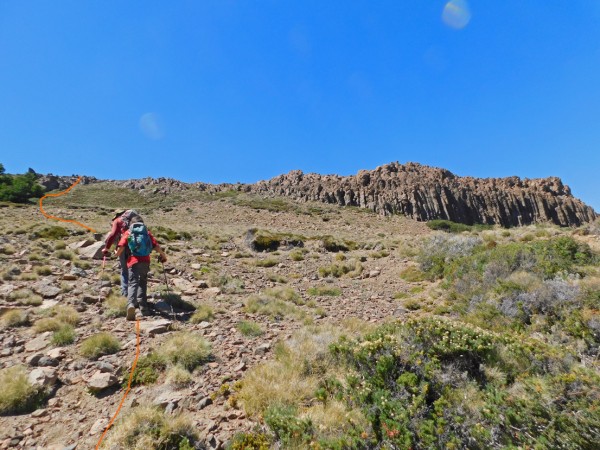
column 149, row 428
column 297, row 255
column 204, row 313
column 19, row 188
column 433, row 383
column 331, row 291
column 116, row 306
column 17, row 394
column 268, row 262
column 98, row 345
column 250, row 441
column 249, row 329
column 62, row 254
column 335, row 245
column 14, row 318
column 65, row 335
column 186, row 350
column 453, row 227
column 51, row 232
column 352, row 269
column 43, row 271
column 412, row 274
column 147, row 370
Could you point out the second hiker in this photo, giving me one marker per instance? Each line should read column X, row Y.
column 139, row 242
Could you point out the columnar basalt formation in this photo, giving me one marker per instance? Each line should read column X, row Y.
column 426, row 193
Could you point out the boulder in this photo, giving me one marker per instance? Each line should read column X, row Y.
column 101, row 380
column 155, row 327
column 43, row 376
column 45, row 289
column 93, row 251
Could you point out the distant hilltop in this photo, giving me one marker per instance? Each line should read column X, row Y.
column 414, row 190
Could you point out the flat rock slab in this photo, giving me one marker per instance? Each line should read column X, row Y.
column 46, row 289
column 38, row 343
column 155, row 326
column 93, row 251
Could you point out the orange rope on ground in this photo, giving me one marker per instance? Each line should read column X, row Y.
column 137, row 354
column 58, row 218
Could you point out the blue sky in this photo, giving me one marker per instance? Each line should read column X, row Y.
column 226, row 91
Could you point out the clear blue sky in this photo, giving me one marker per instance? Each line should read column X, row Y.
column 226, row 91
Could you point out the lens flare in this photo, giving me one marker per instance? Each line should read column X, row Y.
column 151, row 126
column 456, row 14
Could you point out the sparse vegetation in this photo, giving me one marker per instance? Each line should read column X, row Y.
column 332, row 291
column 249, row 329
column 204, row 313
column 98, row 345
column 149, row 428
column 51, row 232
column 17, row 394
column 14, row 318
column 352, row 269
column 116, row 306
column 65, row 335
column 186, row 350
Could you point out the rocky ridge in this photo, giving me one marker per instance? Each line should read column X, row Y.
column 413, row 190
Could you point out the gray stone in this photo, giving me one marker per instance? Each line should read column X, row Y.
column 45, row 289
column 33, row 360
column 78, row 272
column 80, row 244
column 101, row 380
column 46, row 361
column 6, row 289
column 38, row 343
column 155, row 327
column 166, row 398
column 43, row 376
column 99, row 426
column 262, row 349
column 93, row 251
column 204, row 402
column 105, row 367
column 213, row 291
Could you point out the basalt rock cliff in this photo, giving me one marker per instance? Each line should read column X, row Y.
column 426, row 193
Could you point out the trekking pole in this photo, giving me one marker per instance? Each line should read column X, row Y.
column 168, row 290
column 101, row 274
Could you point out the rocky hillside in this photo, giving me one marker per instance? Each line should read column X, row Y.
column 426, row 193
column 413, row 190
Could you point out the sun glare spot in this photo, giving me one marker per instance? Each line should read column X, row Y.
column 456, row 14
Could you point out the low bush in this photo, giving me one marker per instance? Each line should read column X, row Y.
column 186, row 350
column 14, row 318
column 98, row 345
column 204, row 313
column 318, row 291
column 352, row 269
column 65, row 335
column 51, row 232
column 116, row 306
column 454, row 227
column 332, row 244
column 249, row 329
column 149, row 428
column 147, row 370
column 18, row 395
column 268, row 262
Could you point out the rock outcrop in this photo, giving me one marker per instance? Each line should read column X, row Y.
column 426, row 193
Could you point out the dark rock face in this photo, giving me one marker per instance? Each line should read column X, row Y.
column 426, row 193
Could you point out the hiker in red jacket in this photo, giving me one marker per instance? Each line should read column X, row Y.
column 120, row 224
column 140, row 243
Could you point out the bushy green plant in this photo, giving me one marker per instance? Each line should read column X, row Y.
column 51, row 232
column 437, row 383
column 147, row 370
column 186, row 350
column 332, row 291
column 98, row 345
column 18, row 395
column 19, row 188
column 249, row 329
column 65, row 335
column 203, row 313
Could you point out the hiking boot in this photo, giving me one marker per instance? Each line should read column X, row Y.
column 145, row 311
column 130, row 312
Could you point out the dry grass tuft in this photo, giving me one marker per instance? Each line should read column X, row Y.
column 148, row 428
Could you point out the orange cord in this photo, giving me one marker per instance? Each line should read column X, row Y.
column 58, row 218
column 137, row 354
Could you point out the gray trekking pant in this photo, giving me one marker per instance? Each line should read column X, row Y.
column 138, row 284
column 124, row 274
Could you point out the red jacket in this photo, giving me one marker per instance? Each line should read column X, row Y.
column 131, row 260
column 118, row 228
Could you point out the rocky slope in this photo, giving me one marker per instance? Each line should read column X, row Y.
column 426, row 193
column 413, row 190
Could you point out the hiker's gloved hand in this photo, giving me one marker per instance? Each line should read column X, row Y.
column 105, row 251
column 162, row 258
